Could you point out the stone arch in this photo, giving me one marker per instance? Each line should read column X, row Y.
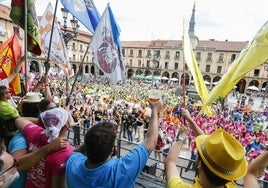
column 254, row 83
column 74, row 68
column 187, row 79
column 216, row 79
column 130, row 73
column 139, row 72
column 147, row 72
column 86, row 69
column 264, row 87
column 92, row 69
column 166, row 74
column 241, row 86
column 207, row 78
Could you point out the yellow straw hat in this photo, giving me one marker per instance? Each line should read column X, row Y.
column 222, row 154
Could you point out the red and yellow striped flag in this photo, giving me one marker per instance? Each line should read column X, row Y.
column 10, row 54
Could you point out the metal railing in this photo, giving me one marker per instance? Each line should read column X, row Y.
column 158, row 173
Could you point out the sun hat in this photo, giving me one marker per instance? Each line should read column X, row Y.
column 222, row 154
column 33, row 97
column 53, row 120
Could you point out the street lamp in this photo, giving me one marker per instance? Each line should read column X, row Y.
column 68, row 36
column 155, row 61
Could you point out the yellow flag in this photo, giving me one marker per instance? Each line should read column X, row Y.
column 252, row 56
column 190, row 60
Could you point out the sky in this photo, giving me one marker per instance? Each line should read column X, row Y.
column 139, row 20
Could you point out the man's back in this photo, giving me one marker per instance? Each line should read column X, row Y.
column 120, row 172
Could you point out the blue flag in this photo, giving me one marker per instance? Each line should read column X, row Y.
column 107, row 49
column 85, row 11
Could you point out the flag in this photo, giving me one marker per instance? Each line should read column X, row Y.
column 190, row 60
column 58, row 52
column 17, row 15
column 107, row 49
column 85, row 11
column 10, row 54
column 252, row 56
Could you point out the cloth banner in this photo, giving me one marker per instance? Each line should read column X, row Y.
column 10, row 54
column 107, row 49
column 251, row 57
column 58, row 52
column 17, row 15
column 85, row 11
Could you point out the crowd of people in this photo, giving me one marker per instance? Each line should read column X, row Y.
column 34, row 128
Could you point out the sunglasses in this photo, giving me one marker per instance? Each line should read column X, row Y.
column 15, row 164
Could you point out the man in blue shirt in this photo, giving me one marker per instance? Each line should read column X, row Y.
column 97, row 168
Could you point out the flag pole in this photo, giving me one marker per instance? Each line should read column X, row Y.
column 47, row 64
column 25, row 43
column 183, row 79
column 76, row 76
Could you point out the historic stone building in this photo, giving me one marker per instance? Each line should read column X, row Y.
column 213, row 57
column 163, row 58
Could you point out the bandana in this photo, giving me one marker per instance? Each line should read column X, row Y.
column 53, row 120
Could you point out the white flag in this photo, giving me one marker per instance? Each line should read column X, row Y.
column 58, row 52
column 107, row 49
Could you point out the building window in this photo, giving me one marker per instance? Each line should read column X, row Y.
column 177, row 55
column 148, row 63
column 73, row 57
column 221, row 55
column 81, row 57
column 257, row 72
column 219, row 68
column 167, row 54
column 166, row 65
column 131, row 53
column 131, row 62
column 209, row 57
column 148, row 53
column 198, row 55
column 140, row 53
column 157, row 53
column 81, row 48
column 233, row 58
column 207, row 68
column 176, row 66
column 87, row 58
column 123, row 52
column 139, row 63
column 73, row 46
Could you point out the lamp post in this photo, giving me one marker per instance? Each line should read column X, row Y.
column 155, row 60
column 68, row 36
column 266, row 86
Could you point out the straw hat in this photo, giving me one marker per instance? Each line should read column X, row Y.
column 33, row 97
column 222, row 154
